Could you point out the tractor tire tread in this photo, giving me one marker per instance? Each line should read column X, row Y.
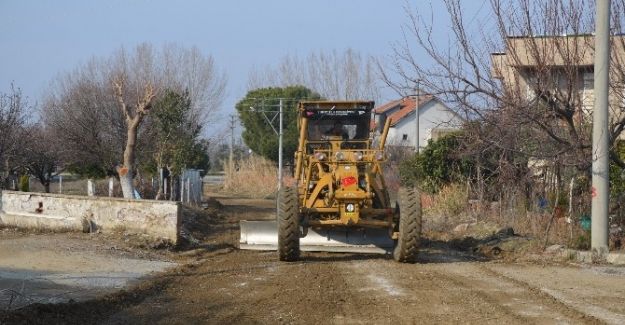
column 288, row 225
column 407, row 247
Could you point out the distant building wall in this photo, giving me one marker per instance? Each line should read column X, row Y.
column 433, row 115
column 157, row 219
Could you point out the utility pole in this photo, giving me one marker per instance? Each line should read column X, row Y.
column 277, row 114
column 232, row 125
column 280, row 110
column 416, row 111
column 600, row 153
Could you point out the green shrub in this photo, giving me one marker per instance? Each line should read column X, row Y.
column 89, row 171
column 436, row 165
column 24, row 183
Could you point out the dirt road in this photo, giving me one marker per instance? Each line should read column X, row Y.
column 52, row 268
column 223, row 285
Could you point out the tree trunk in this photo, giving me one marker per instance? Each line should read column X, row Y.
column 159, row 192
column 159, row 168
column 126, row 172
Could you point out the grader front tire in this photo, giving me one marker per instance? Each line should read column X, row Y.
column 407, row 246
column 288, row 225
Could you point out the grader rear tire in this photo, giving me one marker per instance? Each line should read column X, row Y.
column 407, row 246
column 288, row 225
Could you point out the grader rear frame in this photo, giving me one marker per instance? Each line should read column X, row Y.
column 341, row 201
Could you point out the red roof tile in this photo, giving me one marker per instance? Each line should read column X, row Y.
column 390, row 105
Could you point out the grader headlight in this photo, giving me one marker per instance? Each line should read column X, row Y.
column 379, row 155
column 350, row 207
column 320, row 156
column 339, row 156
column 358, row 155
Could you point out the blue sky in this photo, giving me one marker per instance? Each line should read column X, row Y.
column 41, row 39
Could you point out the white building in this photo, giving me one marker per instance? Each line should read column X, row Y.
column 434, row 120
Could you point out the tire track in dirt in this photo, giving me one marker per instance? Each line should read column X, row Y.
column 455, row 293
column 580, row 308
column 420, row 294
column 516, row 297
column 251, row 287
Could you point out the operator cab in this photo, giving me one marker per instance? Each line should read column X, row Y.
column 345, row 126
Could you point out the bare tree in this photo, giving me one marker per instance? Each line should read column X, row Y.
column 13, row 115
column 336, row 75
column 39, row 156
column 80, row 112
column 188, row 70
column 100, row 110
column 520, row 73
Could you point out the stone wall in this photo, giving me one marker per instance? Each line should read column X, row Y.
column 157, row 219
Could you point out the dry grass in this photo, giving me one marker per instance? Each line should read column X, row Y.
column 534, row 224
column 450, row 208
column 450, row 201
column 253, row 177
column 446, row 209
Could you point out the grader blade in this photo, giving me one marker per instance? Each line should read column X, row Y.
column 263, row 235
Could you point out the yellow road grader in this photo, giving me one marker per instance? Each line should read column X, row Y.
column 341, row 202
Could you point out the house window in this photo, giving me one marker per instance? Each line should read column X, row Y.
column 404, row 137
column 588, row 97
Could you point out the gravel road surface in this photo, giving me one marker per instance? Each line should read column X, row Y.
column 220, row 284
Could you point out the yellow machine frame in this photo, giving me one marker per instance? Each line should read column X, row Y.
column 338, row 186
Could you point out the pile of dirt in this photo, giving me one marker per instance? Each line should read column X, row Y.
column 198, row 223
column 504, row 243
column 485, row 240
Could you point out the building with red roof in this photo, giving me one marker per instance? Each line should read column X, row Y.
column 434, row 119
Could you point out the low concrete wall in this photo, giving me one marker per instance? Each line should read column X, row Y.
column 157, row 219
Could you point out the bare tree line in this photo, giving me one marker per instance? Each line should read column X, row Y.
column 98, row 109
column 13, row 115
column 336, row 75
column 98, row 115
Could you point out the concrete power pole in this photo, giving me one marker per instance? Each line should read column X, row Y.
column 600, row 153
column 416, row 111
column 278, row 132
column 280, row 145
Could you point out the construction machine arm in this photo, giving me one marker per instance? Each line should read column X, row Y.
column 387, row 126
column 299, row 155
